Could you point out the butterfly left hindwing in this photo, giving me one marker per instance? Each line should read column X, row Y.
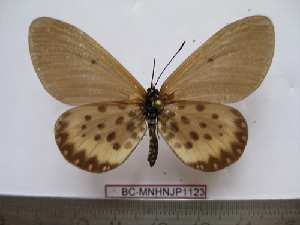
column 99, row 137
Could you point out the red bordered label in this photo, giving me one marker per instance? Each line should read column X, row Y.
column 156, row 191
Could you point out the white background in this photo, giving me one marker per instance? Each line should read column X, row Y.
column 135, row 32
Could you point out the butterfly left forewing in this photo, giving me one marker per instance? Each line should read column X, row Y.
column 205, row 136
column 74, row 68
column 99, row 137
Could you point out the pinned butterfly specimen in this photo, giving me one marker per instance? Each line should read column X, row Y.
column 113, row 108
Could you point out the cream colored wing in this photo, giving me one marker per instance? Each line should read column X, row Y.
column 99, row 137
column 227, row 67
column 74, row 68
column 205, row 136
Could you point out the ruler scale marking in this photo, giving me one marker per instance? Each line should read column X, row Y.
column 158, row 211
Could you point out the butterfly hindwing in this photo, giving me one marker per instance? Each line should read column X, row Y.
column 205, row 136
column 74, row 68
column 99, row 137
column 227, row 67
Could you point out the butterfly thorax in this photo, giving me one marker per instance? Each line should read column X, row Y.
column 151, row 111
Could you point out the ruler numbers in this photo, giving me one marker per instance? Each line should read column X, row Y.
column 31, row 210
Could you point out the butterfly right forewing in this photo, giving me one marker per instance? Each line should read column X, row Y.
column 227, row 67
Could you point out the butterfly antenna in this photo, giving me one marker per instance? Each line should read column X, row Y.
column 169, row 63
column 153, row 73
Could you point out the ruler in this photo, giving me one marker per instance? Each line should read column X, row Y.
column 48, row 210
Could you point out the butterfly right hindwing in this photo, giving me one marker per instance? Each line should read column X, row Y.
column 205, row 136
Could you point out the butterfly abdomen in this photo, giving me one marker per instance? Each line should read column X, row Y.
column 151, row 112
column 153, row 145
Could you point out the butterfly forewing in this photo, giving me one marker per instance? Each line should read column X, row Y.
column 99, row 137
column 75, row 69
column 206, row 136
column 227, row 67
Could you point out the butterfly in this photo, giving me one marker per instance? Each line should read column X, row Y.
column 113, row 109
